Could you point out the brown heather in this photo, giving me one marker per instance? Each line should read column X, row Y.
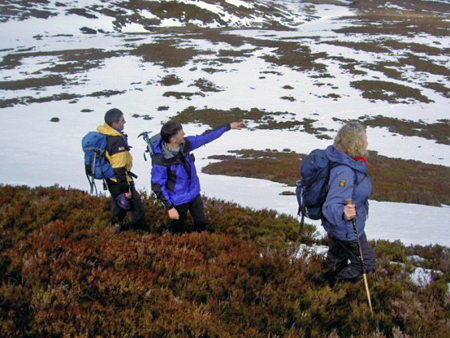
column 64, row 273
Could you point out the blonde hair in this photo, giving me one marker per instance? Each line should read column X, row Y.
column 349, row 139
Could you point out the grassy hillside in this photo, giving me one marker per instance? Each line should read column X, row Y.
column 65, row 273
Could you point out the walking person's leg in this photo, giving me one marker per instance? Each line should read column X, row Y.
column 117, row 213
column 352, row 271
column 368, row 254
column 178, row 225
column 137, row 210
column 197, row 211
column 336, row 259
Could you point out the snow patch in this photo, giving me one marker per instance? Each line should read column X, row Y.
column 307, row 251
column 421, row 277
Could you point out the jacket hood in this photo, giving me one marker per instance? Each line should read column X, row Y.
column 106, row 129
column 339, row 157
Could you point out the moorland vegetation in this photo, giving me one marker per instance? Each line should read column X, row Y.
column 65, row 273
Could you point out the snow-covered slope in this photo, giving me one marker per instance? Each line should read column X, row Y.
column 71, row 61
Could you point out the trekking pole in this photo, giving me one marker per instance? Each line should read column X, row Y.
column 361, row 259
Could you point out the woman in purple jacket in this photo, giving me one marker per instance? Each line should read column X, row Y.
column 174, row 176
column 348, row 180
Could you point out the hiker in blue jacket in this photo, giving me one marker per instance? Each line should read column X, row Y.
column 174, row 176
column 348, row 180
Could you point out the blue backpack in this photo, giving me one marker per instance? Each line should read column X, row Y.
column 151, row 142
column 312, row 189
column 95, row 162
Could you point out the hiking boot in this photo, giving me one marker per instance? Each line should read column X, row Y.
column 350, row 273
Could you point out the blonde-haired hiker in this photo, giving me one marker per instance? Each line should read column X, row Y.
column 348, row 181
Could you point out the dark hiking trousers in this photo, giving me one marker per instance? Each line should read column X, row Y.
column 343, row 258
column 136, row 209
column 197, row 212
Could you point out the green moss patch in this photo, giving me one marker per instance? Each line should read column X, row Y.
column 393, row 180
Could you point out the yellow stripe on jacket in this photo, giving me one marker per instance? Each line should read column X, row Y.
column 117, row 152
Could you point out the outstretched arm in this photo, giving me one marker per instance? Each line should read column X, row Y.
column 194, row 142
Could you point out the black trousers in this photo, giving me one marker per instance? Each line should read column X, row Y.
column 197, row 211
column 343, row 258
column 136, row 209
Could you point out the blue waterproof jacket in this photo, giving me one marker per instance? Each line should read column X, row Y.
column 348, row 179
column 175, row 180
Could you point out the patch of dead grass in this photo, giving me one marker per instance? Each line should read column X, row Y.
column 263, row 120
column 439, row 132
column 166, row 53
column 389, row 91
column 46, row 81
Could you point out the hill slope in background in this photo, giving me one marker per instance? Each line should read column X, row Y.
column 148, row 15
column 64, row 272
column 294, row 71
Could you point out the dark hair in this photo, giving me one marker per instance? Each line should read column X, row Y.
column 113, row 115
column 170, row 129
